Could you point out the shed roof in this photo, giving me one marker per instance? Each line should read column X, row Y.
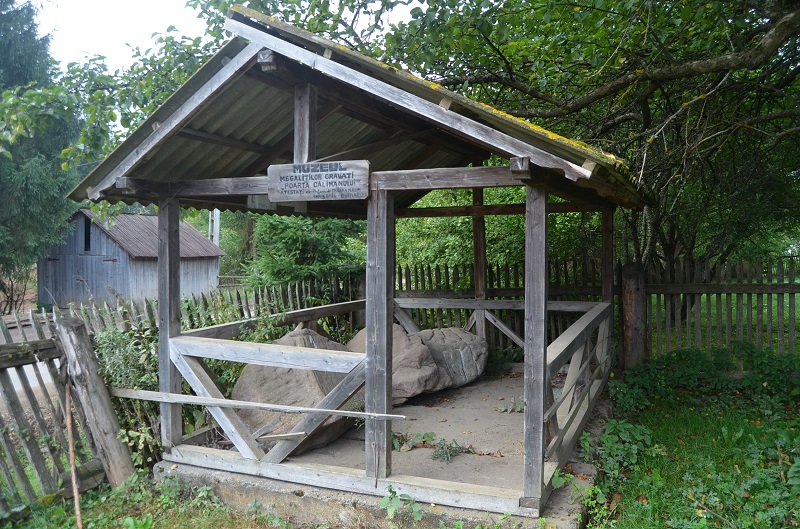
column 235, row 118
column 138, row 236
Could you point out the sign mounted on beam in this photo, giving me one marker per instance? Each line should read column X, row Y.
column 343, row 180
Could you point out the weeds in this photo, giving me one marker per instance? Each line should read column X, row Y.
column 401, row 506
column 709, row 440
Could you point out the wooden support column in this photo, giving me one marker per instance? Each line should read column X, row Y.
column 535, row 343
column 305, row 123
column 380, row 309
column 479, row 261
column 607, row 264
column 169, row 316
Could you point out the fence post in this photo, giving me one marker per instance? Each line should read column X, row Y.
column 634, row 348
column 93, row 395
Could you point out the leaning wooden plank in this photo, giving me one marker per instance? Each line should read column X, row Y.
column 158, row 396
column 268, row 354
column 350, row 384
column 27, row 436
column 424, row 490
column 213, row 87
column 201, row 383
column 92, row 393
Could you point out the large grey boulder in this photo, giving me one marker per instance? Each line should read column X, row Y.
column 290, row 387
column 462, row 354
column 414, row 371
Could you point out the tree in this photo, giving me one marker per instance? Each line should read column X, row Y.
column 35, row 213
column 300, row 248
column 701, row 97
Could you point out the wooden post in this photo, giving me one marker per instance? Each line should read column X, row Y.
column 93, row 395
column 380, row 309
column 607, row 264
column 169, row 322
column 479, row 261
column 634, row 350
column 305, row 123
column 535, row 338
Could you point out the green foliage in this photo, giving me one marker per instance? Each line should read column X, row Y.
column 400, row 504
column 128, row 359
column 716, row 445
column 405, row 442
column 515, row 406
column 627, row 398
column 622, row 444
column 446, row 451
column 301, row 248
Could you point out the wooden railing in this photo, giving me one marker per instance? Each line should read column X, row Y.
column 585, row 348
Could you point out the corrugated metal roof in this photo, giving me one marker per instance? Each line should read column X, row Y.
column 231, row 119
column 138, row 236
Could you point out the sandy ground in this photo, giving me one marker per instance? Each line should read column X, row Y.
column 467, row 415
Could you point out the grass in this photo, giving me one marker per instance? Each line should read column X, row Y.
column 699, row 448
column 144, row 504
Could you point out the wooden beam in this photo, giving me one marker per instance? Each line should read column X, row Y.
column 193, row 370
column 488, row 210
column 265, row 354
column 380, row 289
column 201, row 98
column 343, row 391
column 535, row 343
column 232, row 330
column 575, row 336
column 252, row 185
column 216, row 139
column 424, row 490
column 404, row 319
column 305, row 123
column 169, row 315
column 444, row 178
column 479, row 262
column 158, row 396
column 456, row 124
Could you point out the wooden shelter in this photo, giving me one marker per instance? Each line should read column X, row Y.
column 99, row 263
column 282, row 120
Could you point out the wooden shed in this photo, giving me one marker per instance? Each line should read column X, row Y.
column 282, row 120
column 99, row 261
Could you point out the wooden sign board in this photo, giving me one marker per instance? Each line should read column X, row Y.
column 343, row 180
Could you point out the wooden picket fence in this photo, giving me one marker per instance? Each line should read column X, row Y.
column 696, row 306
column 33, row 432
column 706, row 308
